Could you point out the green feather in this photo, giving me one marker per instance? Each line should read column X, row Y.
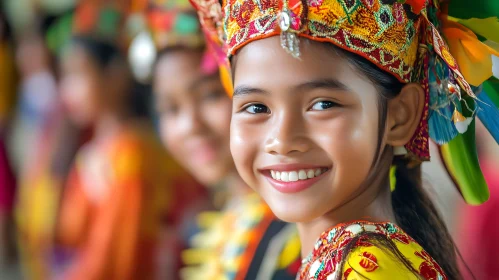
column 491, row 87
column 461, row 160
column 475, row 8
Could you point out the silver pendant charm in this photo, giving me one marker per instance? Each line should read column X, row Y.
column 289, row 39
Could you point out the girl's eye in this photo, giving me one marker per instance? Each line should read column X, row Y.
column 323, row 105
column 257, row 109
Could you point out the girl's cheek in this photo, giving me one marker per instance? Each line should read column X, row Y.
column 172, row 140
column 244, row 141
column 219, row 116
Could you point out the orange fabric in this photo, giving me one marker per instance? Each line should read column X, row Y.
column 7, row 81
column 114, row 224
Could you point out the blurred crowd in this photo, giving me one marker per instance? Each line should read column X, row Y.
column 115, row 162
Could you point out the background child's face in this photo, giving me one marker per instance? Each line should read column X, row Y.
column 194, row 115
column 80, row 86
column 303, row 114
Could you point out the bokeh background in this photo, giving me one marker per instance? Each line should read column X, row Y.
column 38, row 142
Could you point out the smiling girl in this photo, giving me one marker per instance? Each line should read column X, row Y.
column 331, row 95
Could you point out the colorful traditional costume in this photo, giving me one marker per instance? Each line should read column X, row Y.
column 415, row 41
column 124, row 194
column 244, row 240
column 8, row 84
column 113, row 206
column 39, row 193
column 41, row 179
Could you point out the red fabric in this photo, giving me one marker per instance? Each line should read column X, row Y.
column 7, row 182
column 479, row 238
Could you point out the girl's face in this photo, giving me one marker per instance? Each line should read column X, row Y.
column 304, row 132
column 194, row 115
column 81, row 86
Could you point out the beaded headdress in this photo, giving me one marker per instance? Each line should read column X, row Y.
column 402, row 37
column 101, row 19
column 174, row 23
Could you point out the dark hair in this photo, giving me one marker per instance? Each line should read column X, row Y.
column 414, row 211
column 104, row 55
column 6, row 33
column 102, row 52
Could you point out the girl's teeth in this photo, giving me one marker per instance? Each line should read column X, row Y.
column 284, row 177
column 317, row 172
column 293, row 176
column 302, row 175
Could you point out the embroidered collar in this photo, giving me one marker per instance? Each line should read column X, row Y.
column 339, row 236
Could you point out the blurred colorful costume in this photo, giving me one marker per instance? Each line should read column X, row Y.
column 403, row 38
column 124, row 194
column 41, row 185
column 8, row 87
column 49, row 147
column 113, row 206
column 8, row 81
column 244, row 240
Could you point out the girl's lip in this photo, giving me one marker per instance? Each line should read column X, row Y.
column 293, row 167
column 293, row 187
column 203, row 153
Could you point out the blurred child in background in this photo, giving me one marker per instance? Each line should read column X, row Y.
column 118, row 190
column 245, row 241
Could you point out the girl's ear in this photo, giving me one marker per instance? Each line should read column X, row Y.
column 404, row 114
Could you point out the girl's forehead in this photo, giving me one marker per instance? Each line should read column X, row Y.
column 265, row 56
column 266, row 64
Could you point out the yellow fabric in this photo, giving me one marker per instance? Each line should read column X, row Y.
column 363, row 256
column 290, row 252
column 389, row 266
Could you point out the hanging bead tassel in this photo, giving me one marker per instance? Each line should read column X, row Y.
column 289, row 39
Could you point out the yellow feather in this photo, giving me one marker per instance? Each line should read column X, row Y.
column 492, row 45
column 487, row 27
column 474, row 57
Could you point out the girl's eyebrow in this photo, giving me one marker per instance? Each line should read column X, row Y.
column 326, row 83
column 247, row 90
column 330, row 84
column 203, row 79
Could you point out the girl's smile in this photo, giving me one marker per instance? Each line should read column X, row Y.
column 293, row 178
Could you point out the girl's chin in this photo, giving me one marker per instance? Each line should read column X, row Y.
column 294, row 213
column 210, row 176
